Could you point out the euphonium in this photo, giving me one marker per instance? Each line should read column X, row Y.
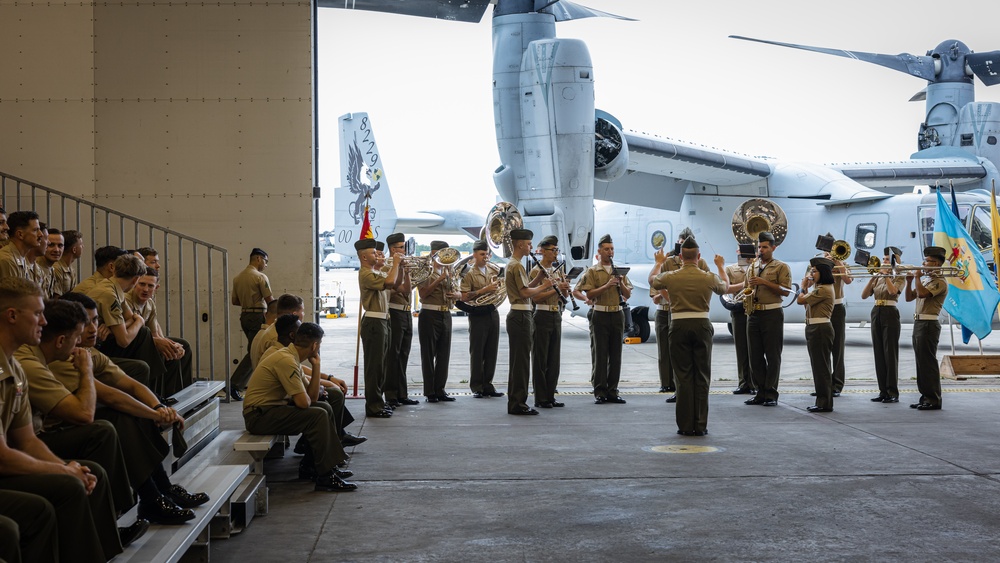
column 495, row 297
column 418, row 267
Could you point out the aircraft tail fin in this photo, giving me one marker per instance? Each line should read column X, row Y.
column 362, row 177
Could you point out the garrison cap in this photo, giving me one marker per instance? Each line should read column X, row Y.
column 380, row 246
column 364, row 244
column 521, row 234
column 765, row 236
column 892, row 250
column 480, row 245
column 257, row 252
column 550, row 240
column 689, row 243
column 438, row 245
column 818, row 261
column 686, row 233
column 936, row 252
column 395, row 238
column 606, row 239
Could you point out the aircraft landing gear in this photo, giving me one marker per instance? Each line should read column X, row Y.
column 640, row 324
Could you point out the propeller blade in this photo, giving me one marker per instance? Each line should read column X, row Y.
column 471, row 11
column 986, row 66
column 919, row 96
column 565, row 11
column 921, row 67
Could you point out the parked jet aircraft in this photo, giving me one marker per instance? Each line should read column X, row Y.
column 363, row 174
column 559, row 153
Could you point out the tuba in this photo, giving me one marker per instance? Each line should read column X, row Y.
column 500, row 221
column 751, row 218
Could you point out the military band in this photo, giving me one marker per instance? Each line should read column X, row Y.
column 886, row 288
column 484, row 324
column 769, row 281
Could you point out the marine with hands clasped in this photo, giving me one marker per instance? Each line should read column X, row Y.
column 769, row 281
column 886, row 287
column 484, row 324
column 691, row 331
column 375, row 324
column 546, row 349
column 929, row 290
column 520, row 325
column 606, row 291
column 819, row 329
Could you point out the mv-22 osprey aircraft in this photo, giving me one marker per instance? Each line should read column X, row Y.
column 559, row 153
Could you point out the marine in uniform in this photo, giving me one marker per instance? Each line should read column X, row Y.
column 25, row 239
column 841, row 276
column 929, row 289
column 520, row 325
column 819, row 329
column 484, row 324
column 607, row 321
column 400, row 330
column 375, row 323
column 175, row 352
column 547, row 323
column 738, row 317
column 434, row 330
column 63, row 276
column 886, row 288
column 104, row 267
column 673, row 262
column 278, row 401
column 769, row 281
column 251, row 293
column 691, row 332
column 48, row 261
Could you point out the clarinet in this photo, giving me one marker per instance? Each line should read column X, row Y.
column 534, row 260
column 572, row 299
column 629, row 325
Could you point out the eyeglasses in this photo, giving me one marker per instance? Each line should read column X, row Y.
column 552, row 249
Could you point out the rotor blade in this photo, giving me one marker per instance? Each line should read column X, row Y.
column 457, row 10
column 919, row 96
column 565, row 11
column 986, row 66
column 921, row 67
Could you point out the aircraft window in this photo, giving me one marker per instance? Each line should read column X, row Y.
column 981, row 228
column 991, row 140
column 864, row 236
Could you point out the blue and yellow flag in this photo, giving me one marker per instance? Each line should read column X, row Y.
column 972, row 296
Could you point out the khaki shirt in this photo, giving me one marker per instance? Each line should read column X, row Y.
column 819, row 302
column 45, row 274
column 736, row 274
column 395, row 296
column 475, row 279
column 436, row 297
column 838, row 287
column 278, row 377
column 774, row 271
column 62, row 278
column 52, row 382
column 596, row 276
column 515, row 279
column 88, row 284
column 675, row 262
column 938, row 288
column 14, row 404
column 147, row 310
column 373, row 290
column 251, row 289
column 12, row 263
column 690, row 288
column 880, row 289
column 110, row 302
column 265, row 340
column 551, row 299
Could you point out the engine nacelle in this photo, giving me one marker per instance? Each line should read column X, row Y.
column 610, row 151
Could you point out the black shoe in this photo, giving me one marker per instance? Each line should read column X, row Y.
column 616, row 399
column 307, row 471
column 408, row 401
column 129, row 534
column 814, row 408
column 184, row 499
column 392, row 404
column 890, row 400
column 380, row 414
column 333, row 484
column 686, row 432
column 700, row 433
column 164, row 511
column 301, row 446
column 878, row 399
column 348, row 439
column 916, row 405
column 812, row 394
column 446, row 398
column 672, row 399
column 523, row 411
column 770, row 403
column 494, row 394
column 742, row 391
column 235, row 393
column 557, row 404
column 754, row 401
column 478, row 395
column 343, row 473
column 928, row 407
column 545, row 405
column 600, row 400
column 836, row 393
column 432, row 399
column 388, row 407
column 664, row 390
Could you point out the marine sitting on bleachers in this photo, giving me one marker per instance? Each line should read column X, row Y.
column 104, row 267
column 25, row 237
column 176, row 352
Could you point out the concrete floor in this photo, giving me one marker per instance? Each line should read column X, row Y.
column 464, row 481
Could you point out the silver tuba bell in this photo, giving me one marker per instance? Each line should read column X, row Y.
column 500, row 221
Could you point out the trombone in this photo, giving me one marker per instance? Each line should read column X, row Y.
column 873, row 269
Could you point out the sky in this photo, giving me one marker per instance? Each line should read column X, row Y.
column 426, row 84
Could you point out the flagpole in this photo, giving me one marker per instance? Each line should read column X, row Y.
column 357, row 350
column 951, row 331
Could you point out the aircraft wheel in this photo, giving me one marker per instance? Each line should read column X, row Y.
column 640, row 319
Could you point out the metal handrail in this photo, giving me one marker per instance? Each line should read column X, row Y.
column 179, row 269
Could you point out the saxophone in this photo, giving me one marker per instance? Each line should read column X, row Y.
column 749, row 294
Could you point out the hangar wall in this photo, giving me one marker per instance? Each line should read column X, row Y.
column 193, row 115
